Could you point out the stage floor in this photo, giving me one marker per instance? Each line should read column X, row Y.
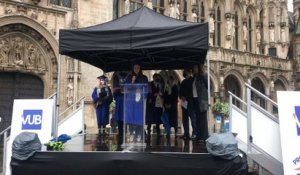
column 91, row 142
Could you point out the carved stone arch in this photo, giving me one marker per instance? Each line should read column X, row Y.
column 263, row 78
column 30, row 37
column 252, row 11
column 240, row 80
column 237, row 74
column 283, row 80
column 239, row 5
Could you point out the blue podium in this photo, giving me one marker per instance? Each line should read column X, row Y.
column 134, row 114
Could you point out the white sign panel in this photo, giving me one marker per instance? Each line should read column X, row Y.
column 32, row 116
column 289, row 122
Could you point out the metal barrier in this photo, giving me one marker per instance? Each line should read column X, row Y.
column 257, row 129
column 72, row 116
column 5, row 135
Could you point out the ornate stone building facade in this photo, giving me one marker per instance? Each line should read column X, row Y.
column 29, row 57
column 249, row 41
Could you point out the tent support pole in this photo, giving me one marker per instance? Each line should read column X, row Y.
column 208, row 88
column 57, row 102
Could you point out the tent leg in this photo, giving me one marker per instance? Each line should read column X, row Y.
column 208, row 84
column 56, row 115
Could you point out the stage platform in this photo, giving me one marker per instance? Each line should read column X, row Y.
column 161, row 156
column 156, row 144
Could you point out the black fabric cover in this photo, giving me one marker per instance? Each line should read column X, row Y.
column 223, row 145
column 118, row 163
column 158, row 41
column 25, row 145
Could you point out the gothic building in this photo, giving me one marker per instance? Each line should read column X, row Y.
column 249, row 43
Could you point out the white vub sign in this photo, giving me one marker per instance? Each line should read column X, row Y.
column 32, row 116
column 32, row 119
column 289, row 121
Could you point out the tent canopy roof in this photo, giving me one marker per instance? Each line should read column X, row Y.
column 155, row 40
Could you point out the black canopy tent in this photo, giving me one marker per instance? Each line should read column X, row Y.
column 155, row 40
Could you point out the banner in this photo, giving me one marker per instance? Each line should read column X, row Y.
column 32, row 116
column 289, row 122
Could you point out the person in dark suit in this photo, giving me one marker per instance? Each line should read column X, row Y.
column 186, row 96
column 170, row 103
column 154, row 104
column 200, row 101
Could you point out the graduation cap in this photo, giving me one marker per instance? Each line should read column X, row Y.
column 102, row 77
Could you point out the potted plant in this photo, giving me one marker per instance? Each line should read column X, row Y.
column 221, row 111
column 55, row 146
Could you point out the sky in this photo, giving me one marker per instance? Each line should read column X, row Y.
column 290, row 5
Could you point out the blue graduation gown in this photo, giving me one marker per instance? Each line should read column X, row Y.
column 102, row 105
column 119, row 110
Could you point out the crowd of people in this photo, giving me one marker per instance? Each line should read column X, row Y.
column 161, row 102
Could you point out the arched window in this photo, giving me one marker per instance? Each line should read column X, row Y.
column 261, row 18
column 158, row 6
column 67, row 3
column 55, row 2
column 236, row 34
column 218, row 28
column 135, row 4
column 183, row 9
column 250, row 30
column 202, row 12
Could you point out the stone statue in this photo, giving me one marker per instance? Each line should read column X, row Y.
column 258, row 35
column 245, row 32
column 233, row 33
column 296, row 16
column 282, row 34
column 70, row 90
column 174, row 11
column 31, row 59
column 177, row 11
column 18, row 55
column 272, row 35
column 149, row 4
column 228, row 27
column 127, row 7
column 211, row 24
column 4, row 51
column 194, row 17
column 39, row 60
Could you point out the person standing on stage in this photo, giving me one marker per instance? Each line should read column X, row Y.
column 186, row 96
column 102, row 98
column 170, row 104
column 200, row 101
column 120, row 78
column 154, row 104
column 134, row 116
